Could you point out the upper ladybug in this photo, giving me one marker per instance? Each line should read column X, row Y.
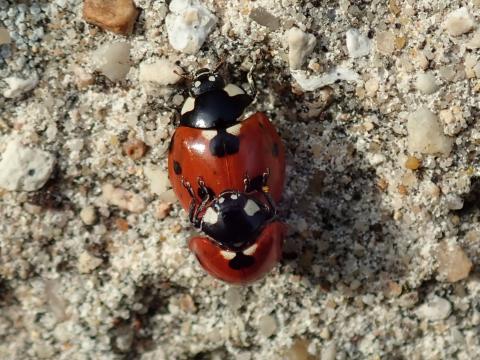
column 228, row 172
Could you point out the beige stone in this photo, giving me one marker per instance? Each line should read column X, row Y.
column 453, row 264
column 117, row 16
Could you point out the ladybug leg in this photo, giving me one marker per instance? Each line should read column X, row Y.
column 246, row 183
column 193, row 203
column 265, row 190
column 204, row 191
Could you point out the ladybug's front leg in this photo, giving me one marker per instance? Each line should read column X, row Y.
column 204, row 192
column 193, row 203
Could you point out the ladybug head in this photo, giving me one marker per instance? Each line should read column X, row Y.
column 206, row 80
column 234, row 219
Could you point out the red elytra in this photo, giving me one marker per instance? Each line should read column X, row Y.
column 268, row 252
column 260, row 148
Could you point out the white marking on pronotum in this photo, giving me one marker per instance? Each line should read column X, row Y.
column 234, row 196
column 197, row 83
column 210, row 217
column 188, row 105
column 209, row 134
column 221, row 200
column 234, row 130
column 250, row 250
column 228, row 255
column 251, row 208
column 233, row 90
column 211, row 78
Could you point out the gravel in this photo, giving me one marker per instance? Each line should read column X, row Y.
column 381, row 198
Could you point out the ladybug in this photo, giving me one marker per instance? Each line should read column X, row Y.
column 228, row 170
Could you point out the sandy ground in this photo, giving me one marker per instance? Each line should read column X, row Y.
column 382, row 201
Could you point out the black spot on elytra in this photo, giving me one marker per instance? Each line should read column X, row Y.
column 261, row 125
column 176, row 167
column 241, row 261
column 275, row 150
column 224, row 144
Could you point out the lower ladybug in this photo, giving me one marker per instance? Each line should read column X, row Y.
column 228, row 172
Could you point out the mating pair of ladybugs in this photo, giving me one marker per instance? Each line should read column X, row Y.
column 228, row 172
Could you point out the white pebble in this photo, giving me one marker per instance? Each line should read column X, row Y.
column 425, row 134
column 158, row 179
column 474, row 42
column 23, row 168
column 358, row 45
column 329, row 351
column 426, row 83
column 88, row 215
column 161, row 72
column 18, row 86
column 300, row 45
column 124, row 199
column 113, row 60
column 310, row 83
column 267, row 325
column 4, row 36
column 454, row 202
column 435, row 309
column 459, row 22
column 188, row 25
column 87, row 263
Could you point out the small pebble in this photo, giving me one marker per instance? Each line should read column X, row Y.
column 436, row 308
column 267, row 325
column 163, row 210
column 453, row 264
column 113, row 60
column 162, row 72
column 358, row 45
column 135, row 149
column 23, row 168
column 4, row 36
column 118, row 16
column 300, row 45
column 83, row 78
column 298, row 350
column 474, row 42
column 459, row 22
column 124, row 199
column 18, row 86
column 425, row 134
column 158, row 178
column 329, row 351
column 371, row 87
column 426, row 83
column 188, row 25
column 385, row 42
column 454, row 202
column 262, row 17
column 413, row 163
column 311, row 83
column 88, row 215
column 122, row 224
column 234, row 298
column 87, row 263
